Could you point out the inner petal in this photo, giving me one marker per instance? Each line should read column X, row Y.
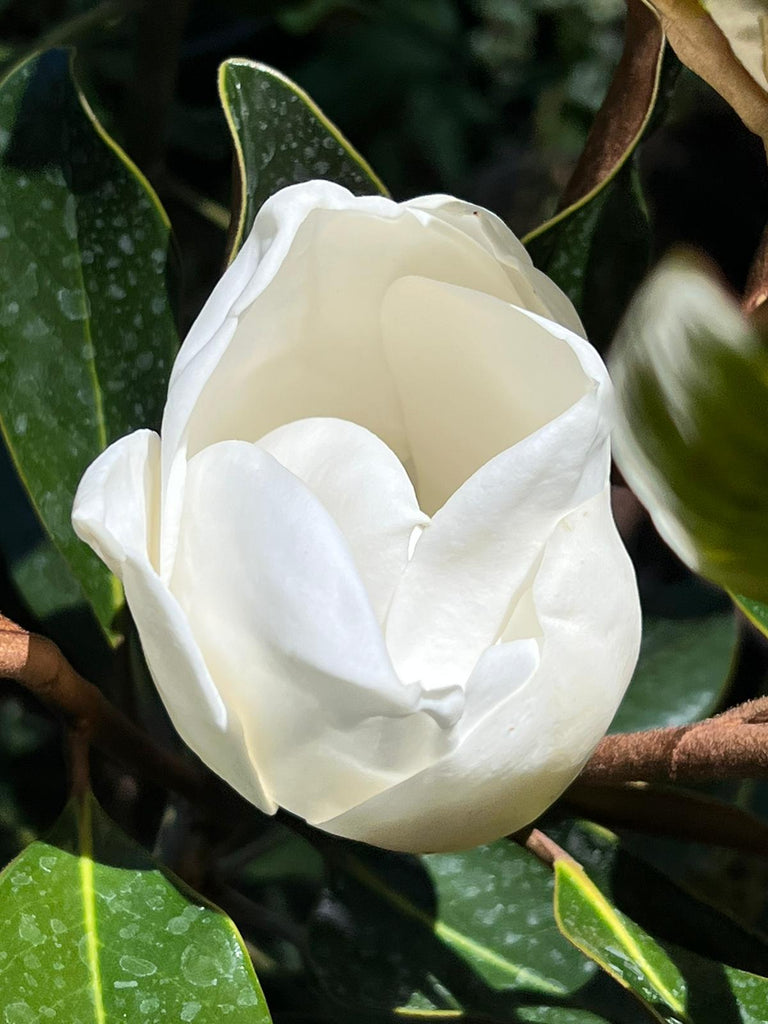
column 364, row 486
column 474, row 374
column 310, row 344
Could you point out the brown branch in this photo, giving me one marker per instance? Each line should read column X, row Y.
column 664, row 811
column 733, row 745
column 622, row 116
column 541, row 846
column 40, row 667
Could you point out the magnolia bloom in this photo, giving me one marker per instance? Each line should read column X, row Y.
column 371, row 556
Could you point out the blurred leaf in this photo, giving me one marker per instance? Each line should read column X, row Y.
column 674, row 985
column 691, row 376
column 682, row 671
column 470, row 931
column 723, row 41
column 756, row 611
column 87, row 332
column 89, row 925
column 281, row 137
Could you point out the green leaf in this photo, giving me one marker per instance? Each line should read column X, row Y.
column 281, row 137
column 598, row 251
column 665, row 901
column 92, row 930
column 673, row 984
column 471, row 932
column 691, row 376
column 87, row 332
column 616, row 943
column 682, row 671
column 756, row 611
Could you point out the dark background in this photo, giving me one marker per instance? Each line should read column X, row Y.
column 490, row 100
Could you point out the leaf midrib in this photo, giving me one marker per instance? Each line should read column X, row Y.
column 88, row 894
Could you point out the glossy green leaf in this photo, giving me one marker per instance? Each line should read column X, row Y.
column 691, row 377
column 598, row 251
column 756, row 611
column 92, row 931
column 470, row 932
column 617, row 943
column 87, row 332
column 675, row 986
column 682, row 671
column 660, row 899
column 281, row 137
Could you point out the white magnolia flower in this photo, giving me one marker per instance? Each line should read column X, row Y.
column 371, row 557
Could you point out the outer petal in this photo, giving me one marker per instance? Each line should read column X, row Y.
column 116, row 512
column 482, row 547
column 365, row 488
column 292, row 330
column 538, row 293
column 287, row 630
column 522, row 755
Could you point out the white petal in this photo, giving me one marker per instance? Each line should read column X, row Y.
column 475, row 375
column 276, row 603
column 487, row 362
column 115, row 507
column 537, row 292
column 292, row 330
column 115, row 511
column 365, row 488
column 522, row 754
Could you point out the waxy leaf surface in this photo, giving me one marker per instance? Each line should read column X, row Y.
column 87, row 330
column 281, row 137
column 93, row 932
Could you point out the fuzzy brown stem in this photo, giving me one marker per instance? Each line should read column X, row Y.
column 733, row 745
column 541, row 846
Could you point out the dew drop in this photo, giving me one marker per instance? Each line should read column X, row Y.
column 28, row 930
column 135, row 965
column 73, row 303
column 70, row 217
column 20, row 1013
